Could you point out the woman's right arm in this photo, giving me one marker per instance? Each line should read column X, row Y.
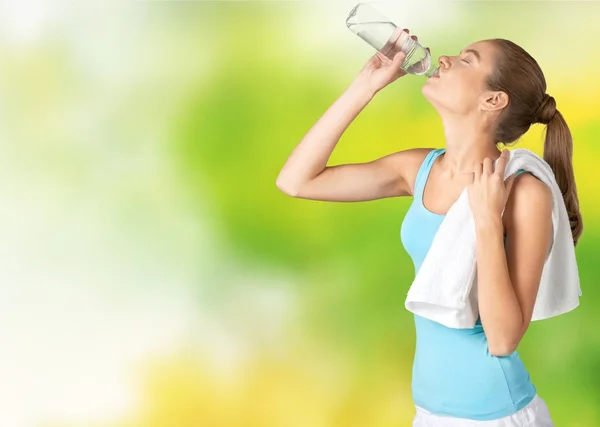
column 306, row 174
column 389, row 176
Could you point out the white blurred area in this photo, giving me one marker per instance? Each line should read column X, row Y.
column 96, row 247
column 102, row 259
column 26, row 21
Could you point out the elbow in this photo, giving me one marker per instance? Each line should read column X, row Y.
column 504, row 344
column 286, row 188
column 501, row 350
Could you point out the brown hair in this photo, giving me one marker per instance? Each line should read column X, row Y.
column 518, row 75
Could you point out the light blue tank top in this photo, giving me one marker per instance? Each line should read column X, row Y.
column 453, row 372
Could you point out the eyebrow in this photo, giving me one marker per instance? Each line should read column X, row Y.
column 474, row 52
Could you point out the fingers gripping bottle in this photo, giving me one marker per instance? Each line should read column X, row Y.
column 382, row 34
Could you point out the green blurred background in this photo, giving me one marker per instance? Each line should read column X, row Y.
column 152, row 273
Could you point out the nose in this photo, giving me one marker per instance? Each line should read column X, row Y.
column 444, row 61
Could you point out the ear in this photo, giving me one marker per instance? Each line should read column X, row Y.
column 493, row 101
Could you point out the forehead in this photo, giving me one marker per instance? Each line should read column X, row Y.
column 484, row 48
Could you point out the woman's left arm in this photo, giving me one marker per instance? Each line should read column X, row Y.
column 508, row 276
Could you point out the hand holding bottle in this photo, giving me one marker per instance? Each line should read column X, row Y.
column 380, row 70
column 385, row 36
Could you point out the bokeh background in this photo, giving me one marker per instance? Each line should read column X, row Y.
column 153, row 275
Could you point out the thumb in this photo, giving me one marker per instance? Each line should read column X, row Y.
column 399, row 58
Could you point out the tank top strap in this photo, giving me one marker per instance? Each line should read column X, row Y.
column 423, row 172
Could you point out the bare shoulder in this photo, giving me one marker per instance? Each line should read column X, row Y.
column 529, row 198
column 408, row 162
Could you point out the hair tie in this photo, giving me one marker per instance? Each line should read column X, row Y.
column 546, row 111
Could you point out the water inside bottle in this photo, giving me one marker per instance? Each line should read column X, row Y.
column 418, row 59
column 375, row 33
column 381, row 33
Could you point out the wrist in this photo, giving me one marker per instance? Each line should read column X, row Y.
column 361, row 88
column 489, row 223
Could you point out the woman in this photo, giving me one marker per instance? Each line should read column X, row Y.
column 492, row 92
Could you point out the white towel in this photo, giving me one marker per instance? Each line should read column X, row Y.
column 445, row 287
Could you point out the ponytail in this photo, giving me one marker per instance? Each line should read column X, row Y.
column 558, row 153
column 519, row 75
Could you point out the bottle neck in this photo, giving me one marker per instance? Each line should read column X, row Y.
column 433, row 70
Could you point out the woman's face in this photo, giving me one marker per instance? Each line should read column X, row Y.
column 461, row 85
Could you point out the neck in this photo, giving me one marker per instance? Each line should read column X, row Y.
column 468, row 142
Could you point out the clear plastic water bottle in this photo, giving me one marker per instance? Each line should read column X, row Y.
column 381, row 33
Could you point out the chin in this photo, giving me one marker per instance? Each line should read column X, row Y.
column 429, row 93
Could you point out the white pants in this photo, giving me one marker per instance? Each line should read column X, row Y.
column 535, row 414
